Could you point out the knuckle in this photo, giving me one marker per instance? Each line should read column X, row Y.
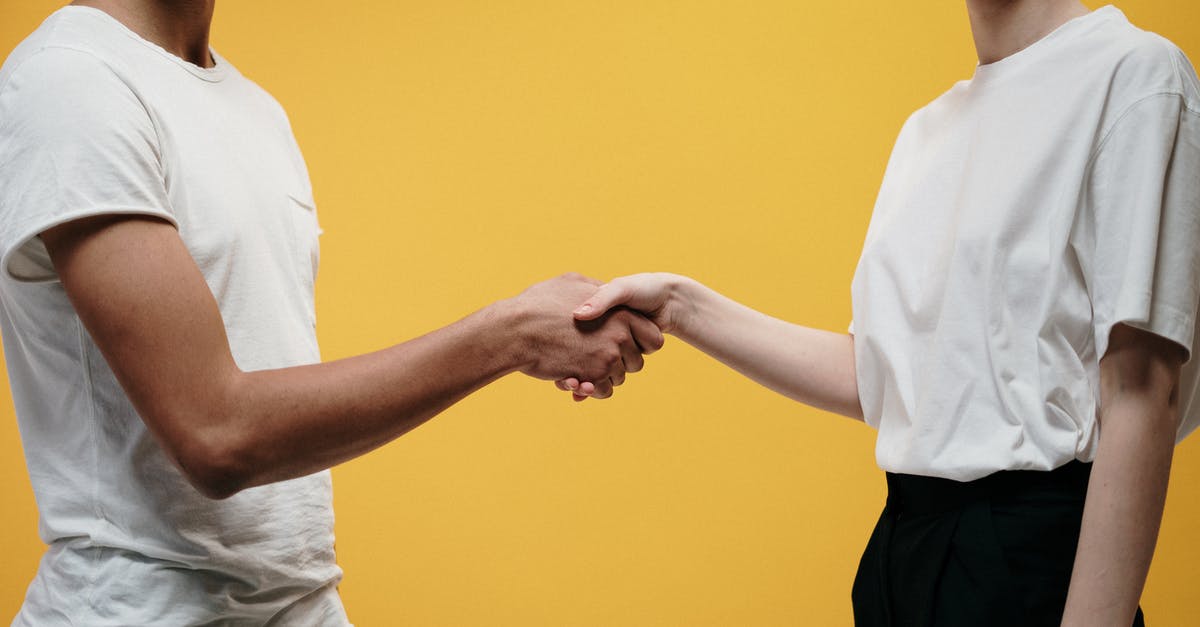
column 595, row 373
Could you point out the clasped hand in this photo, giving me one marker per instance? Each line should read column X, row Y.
column 597, row 349
column 614, row 325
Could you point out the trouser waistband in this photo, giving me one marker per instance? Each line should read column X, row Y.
column 915, row 494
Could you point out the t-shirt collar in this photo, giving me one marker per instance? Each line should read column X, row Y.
column 1013, row 62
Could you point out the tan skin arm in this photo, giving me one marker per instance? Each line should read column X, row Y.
column 162, row 334
column 1139, row 417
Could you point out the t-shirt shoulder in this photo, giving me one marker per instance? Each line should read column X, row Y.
column 1186, row 74
column 78, row 142
column 69, row 80
column 1146, row 64
column 1146, row 68
column 58, row 34
column 52, row 64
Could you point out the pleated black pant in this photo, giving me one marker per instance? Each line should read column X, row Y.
column 995, row 552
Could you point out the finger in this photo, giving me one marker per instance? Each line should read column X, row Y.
column 579, row 398
column 586, row 388
column 631, row 356
column 604, row 389
column 617, row 378
column 648, row 336
column 608, row 296
column 567, row 384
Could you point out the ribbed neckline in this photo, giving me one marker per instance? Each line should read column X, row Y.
column 1015, row 61
column 213, row 74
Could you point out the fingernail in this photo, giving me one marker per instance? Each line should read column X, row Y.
column 583, row 309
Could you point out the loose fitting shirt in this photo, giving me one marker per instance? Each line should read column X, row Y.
column 96, row 120
column 1023, row 214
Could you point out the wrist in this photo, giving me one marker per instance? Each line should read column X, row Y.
column 684, row 296
column 506, row 336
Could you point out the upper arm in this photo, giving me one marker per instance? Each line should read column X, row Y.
column 83, row 198
column 1144, row 368
column 148, row 309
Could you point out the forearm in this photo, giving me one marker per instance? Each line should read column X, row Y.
column 290, row 422
column 1122, row 514
column 146, row 305
column 812, row 366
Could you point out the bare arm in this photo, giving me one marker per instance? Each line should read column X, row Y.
column 1139, row 417
column 812, row 366
column 162, row 334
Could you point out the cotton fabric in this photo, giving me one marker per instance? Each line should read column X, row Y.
column 95, row 120
column 1023, row 214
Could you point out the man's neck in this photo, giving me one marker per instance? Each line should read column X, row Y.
column 1004, row 27
column 178, row 26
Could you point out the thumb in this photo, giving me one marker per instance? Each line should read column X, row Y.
column 606, row 297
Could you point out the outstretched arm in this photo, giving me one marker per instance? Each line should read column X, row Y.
column 147, row 307
column 809, row 365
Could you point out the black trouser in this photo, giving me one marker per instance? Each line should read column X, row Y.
column 992, row 552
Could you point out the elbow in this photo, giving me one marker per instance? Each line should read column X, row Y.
column 1153, row 410
column 206, row 433
column 214, row 480
column 214, row 460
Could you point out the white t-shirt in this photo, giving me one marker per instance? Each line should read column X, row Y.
column 96, row 120
column 1023, row 214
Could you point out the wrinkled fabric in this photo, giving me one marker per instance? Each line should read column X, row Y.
column 1023, row 214
column 95, row 120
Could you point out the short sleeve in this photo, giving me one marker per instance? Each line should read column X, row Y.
column 75, row 141
column 1137, row 235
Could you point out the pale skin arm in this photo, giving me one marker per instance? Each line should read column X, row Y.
column 812, row 366
column 1139, row 417
column 162, row 334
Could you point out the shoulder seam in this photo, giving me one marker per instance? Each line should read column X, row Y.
column 1178, row 61
column 48, row 47
column 44, row 46
column 107, row 66
column 1124, row 114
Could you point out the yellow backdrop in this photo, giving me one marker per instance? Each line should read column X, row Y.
column 462, row 150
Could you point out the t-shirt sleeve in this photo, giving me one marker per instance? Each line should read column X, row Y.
column 75, row 141
column 1138, row 231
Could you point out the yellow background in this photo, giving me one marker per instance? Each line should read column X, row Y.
column 462, row 150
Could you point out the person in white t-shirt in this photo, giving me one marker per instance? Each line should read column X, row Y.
column 158, row 240
column 1024, row 307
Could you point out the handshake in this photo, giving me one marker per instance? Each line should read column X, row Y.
column 585, row 335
